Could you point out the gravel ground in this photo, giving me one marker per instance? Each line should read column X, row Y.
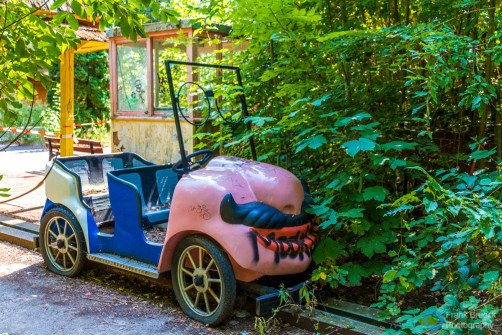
column 36, row 301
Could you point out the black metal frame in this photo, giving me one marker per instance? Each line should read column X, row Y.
column 175, row 103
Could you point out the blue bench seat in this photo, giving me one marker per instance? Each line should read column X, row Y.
column 154, row 185
column 155, row 217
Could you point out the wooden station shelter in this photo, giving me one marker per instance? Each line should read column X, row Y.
column 141, row 113
column 142, row 119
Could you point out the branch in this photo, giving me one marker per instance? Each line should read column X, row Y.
column 5, row 132
column 25, row 126
column 300, row 48
column 469, row 12
column 5, row 17
column 21, row 18
column 40, row 183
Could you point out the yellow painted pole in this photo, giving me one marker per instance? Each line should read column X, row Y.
column 67, row 81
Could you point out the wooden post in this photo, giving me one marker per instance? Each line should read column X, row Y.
column 112, row 52
column 219, row 73
column 67, row 81
column 219, row 55
column 149, row 75
column 192, row 55
column 156, row 80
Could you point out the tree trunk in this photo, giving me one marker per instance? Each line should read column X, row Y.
column 346, row 81
column 330, row 18
column 363, row 14
column 496, row 110
column 389, row 15
column 407, row 11
column 498, row 132
column 396, row 11
column 488, row 69
column 344, row 13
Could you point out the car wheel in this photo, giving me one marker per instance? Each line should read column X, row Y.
column 203, row 280
column 62, row 242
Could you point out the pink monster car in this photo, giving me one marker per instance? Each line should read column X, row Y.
column 225, row 220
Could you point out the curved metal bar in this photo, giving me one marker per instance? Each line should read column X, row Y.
column 207, row 99
column 223, row 118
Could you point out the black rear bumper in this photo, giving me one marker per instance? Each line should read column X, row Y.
column 268, row 298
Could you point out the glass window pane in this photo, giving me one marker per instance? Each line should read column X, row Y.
column 161, row 53
column 131, row 73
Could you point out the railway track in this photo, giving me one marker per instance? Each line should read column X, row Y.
column 331, row 316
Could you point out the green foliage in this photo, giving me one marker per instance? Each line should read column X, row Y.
column 453, row 248
column 350, row 95
column 52, row 113
column 361, row 144
column 266, row 325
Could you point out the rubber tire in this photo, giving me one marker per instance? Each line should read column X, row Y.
column 81, row 259
column 229, row 285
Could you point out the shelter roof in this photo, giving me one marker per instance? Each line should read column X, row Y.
column 161, row 26
column 90, row 34
column 87, row 31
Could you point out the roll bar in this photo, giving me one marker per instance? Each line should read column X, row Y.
column 175, row 104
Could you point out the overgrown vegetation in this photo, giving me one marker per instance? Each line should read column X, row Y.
column 390, row 110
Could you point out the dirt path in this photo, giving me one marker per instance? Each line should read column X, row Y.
column 36, row 301
column 22, row 168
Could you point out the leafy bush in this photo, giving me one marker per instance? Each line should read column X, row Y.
column 350, row 95
column 449, row 242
